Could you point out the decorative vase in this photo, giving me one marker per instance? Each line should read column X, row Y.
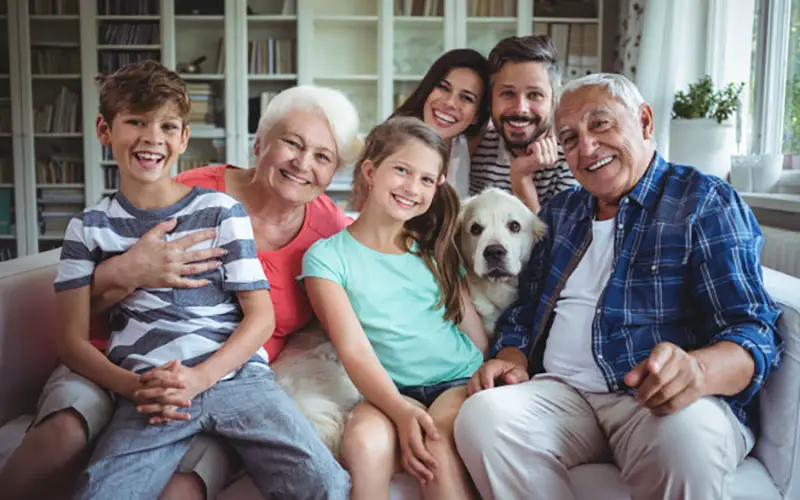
column 703, row 144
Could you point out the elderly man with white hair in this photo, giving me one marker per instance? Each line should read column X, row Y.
column 642, row 316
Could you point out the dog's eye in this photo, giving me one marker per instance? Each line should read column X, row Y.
column 514, row 226
column 476, row 229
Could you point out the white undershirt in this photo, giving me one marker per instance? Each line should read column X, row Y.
column 568, row 352
column 459, row 166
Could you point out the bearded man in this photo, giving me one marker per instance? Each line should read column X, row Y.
column 518, row 152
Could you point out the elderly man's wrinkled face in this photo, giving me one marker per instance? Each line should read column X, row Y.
column 608, row 147
column 298, row 157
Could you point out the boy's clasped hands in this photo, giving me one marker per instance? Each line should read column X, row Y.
column 165, row 389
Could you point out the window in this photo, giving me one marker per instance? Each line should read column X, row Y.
column 790, row 143
column 775, row 78
column 773, row 107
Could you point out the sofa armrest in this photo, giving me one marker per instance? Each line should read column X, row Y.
column 28, row 325
column 780, row 250
column 779, row 400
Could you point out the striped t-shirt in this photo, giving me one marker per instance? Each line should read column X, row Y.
column 491, row 167
column 152, row 326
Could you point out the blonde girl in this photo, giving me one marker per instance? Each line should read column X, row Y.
column 388, row 291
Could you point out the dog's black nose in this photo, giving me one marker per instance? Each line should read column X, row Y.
column 494, row 252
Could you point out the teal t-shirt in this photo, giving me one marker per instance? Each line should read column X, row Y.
column 394, row 297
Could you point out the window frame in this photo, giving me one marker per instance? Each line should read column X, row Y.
column 769, row 92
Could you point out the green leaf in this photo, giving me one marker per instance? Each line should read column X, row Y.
column 704, row 101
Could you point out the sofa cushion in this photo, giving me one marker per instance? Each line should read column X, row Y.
column 776, row 446
column 28, row 328
column 604, row 482
column 403, row 487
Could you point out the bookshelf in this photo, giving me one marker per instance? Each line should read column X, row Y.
column 50, row 66
column 269, row 46
column 235, row 55
column 12, row 210
column 115, row 33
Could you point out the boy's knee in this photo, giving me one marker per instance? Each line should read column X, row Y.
column 326, row 478
column 62, row 432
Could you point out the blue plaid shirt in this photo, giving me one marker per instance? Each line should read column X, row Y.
column 686, row 270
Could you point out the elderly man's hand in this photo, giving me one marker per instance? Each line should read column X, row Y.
column 493, row 372
column 668, row 380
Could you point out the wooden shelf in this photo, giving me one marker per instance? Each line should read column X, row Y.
column 272, row 18
column 199, row 19
column 274, row 77
column 54, row 17
column 568, row 20
column 129, row 48
column 131, row 18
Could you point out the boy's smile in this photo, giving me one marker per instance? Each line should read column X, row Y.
column 148, row 160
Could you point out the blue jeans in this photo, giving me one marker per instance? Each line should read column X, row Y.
column 427, row 394
column 278, row 446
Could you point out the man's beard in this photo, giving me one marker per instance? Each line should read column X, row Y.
column 542, row 126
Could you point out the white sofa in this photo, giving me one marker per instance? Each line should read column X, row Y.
column 27, row 356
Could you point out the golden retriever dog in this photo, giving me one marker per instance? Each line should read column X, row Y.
column 309, row 370
column 496, row 235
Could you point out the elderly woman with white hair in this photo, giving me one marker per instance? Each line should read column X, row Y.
column 304, row 136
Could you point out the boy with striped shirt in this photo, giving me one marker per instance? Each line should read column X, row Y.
column 198, row 349
column 519, row 152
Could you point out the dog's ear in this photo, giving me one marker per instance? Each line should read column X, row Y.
column 464, row 206
column 538, row 227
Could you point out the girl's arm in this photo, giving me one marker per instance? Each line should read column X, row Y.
column 333, row 309
column 472, row 324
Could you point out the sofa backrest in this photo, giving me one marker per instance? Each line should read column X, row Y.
column 28, row 326
column 781, row 250
column 777, row 445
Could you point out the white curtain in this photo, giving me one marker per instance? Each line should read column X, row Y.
column 672, row 51
column 629, row 39
column 683, row 40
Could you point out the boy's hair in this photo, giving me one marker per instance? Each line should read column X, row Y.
column 435, row 230
column 530, row 48
column 141, row 87
column 456, row 58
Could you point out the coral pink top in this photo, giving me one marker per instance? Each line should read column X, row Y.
column 292, row 308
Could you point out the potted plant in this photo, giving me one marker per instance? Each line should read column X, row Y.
column 701, row 131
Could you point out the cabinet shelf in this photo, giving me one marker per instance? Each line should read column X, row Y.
column 373, row 51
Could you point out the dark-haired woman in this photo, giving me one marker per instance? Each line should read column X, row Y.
column 453, row 98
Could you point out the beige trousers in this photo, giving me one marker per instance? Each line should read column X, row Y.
column 519, row 441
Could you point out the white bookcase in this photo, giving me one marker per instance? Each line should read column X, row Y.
column 375, row 51
column 12, row 196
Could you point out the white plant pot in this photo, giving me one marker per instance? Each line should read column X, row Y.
column 703, row 144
